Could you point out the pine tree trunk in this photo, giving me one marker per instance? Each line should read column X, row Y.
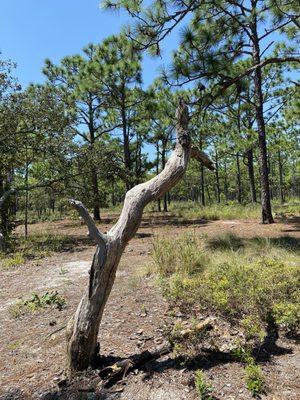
column 208, row 194
column 281, row 183
column 251, row 176
column 126, row 145
column 238, row 179
column 138, row 160
column 157, row 172
column 26, row 201
column 263, row 157
column 113, row 199
column 82, row 331
column 94, row 174
column 96, row 202
column 3, row 218
column 217, row 178
column 163, row 164
column 202, row 185
column 225, row 181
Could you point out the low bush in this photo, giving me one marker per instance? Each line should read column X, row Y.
column 254, row 379
column 238, row 280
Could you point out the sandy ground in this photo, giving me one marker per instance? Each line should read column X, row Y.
column 32, row 347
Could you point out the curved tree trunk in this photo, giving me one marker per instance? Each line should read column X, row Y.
column 83, row 328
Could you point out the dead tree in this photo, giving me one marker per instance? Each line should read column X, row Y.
column 82, row 330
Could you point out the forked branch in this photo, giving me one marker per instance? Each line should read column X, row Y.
column 94, row 232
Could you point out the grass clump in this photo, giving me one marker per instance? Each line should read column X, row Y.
column 245, row 281
column 36, row 302
column 230, row 210
column 203, row 388
column 12, row 261
column 35, row 247
column 179, row 255
column 45, row 244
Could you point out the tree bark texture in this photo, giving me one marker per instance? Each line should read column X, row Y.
column 263, row 157
column 281, row 180
column 82, row 331
column 238, row 179
column 250, row 166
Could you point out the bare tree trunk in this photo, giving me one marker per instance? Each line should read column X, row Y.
column 113, row 199
column 225, row 181
column 82, row 332
column 126, row 144
column 266, row 212
column 202, row 185
column 250, row 166
column 26, row 199
column 94, row 174
column 218, row 190
column 281, row 184
column 3, row 221
column 157, row 172
column 96, row 201
column 238, row 179
column 163, row 164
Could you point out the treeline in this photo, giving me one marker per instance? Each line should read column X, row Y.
column 92, row 130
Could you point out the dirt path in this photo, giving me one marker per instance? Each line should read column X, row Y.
column 31, row 358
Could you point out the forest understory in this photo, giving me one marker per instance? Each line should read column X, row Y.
column 136, row 319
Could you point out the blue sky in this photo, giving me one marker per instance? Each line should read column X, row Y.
column 32, row 30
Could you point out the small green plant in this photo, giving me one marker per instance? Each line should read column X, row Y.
column 36, row 302
column 203, row 388
column 254, row 379
column 63, row 271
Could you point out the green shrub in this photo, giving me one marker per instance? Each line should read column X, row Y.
column 237, row 282
column 254, row 379
column 203, row 388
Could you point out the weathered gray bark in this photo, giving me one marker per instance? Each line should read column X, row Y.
column 82, row 332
